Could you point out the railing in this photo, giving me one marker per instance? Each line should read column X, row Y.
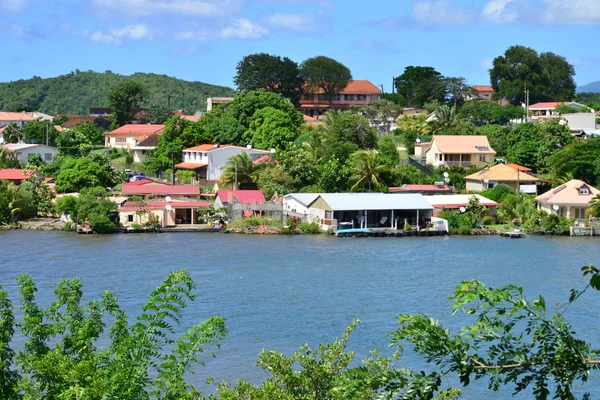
column 456, row 163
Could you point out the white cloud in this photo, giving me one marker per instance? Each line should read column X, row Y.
column 243, row 29
column 440, row 12
column 13, row 5
column 571, row 12
column 192, row 8
column 116, row 36
column 500, row 12
column 295, row 22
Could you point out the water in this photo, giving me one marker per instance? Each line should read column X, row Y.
column 279, row 292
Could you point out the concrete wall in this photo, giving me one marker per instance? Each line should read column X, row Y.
column 218, row 158
column 270, row 209
column 579, row 121
column 111, row 141
column 43, row 151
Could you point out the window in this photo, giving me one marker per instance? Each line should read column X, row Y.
column 584, row 190
column 579, row 213
column 362, row 97
column 120, row 140
column 328, row 214
column 47, row 156
column 130, row 218
column 349, row 97
column 482, row 158
column 335, row 97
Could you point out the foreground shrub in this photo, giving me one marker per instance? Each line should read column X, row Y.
column 310, row 228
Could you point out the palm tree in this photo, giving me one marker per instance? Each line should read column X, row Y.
column 240, row 169
column 12, row 134
column 367, row 169
column 594, row 210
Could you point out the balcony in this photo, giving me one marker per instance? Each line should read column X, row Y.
column 454, row 163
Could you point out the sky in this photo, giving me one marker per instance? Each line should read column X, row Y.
column 203, row 40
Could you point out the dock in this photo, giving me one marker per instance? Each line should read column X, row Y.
column 514, row 235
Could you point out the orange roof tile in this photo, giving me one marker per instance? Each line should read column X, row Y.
column 137, row 129
column 356, row 87
column 502, row 173
column 483, row 88
column 206, row 147
column 190, row 165
column 15, row 116
column 549, row 105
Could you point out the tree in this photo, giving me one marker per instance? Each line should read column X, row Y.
column 548, row 77
column 16, row 202
column 366, row 169
column 346, row 126
column 123, row 98
column 272, row 73
column 325, row 74
column 156, row 114
column 94, row 207
column 578, row 160
column 227, row 130
column 271, row 129
column 39, row 131
column 171, row 144
column 388, row 152
column 412, row 127
column 8, row 159
column 561, row 85
column 78, row 173
column 12, row 134
column 61, row 358
column 41, row 194
column 79, row 140
column 490, row 112
column 445, row 118
column 240, row 172
column 420, row 85
column 244, row 105
column 273, row 178
column 457, row 89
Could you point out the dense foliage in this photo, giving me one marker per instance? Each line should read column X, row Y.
column 91, row 206
column 76, row 92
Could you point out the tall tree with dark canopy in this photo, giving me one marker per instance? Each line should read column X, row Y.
column 420, row 85
column 548, row 77
column 272, row 73
column 326, row 74
column 123, row 99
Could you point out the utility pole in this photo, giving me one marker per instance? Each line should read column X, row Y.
column 393, row 82
column 526, row 103
column 173, row 165
column 235, row 184
column 169, row 101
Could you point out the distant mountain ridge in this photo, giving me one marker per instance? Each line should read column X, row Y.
column 593, row 87
column 76, row 92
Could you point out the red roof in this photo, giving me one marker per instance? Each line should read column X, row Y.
column 206, row 147
column 483, row 88
column 547, row 105
column 311, row 120
column 14, row 174
column 190, row 165
column 517, row 167
column 158, row 205
column 15, row 116
column 266, row 159
column 137, row 129
column 356, row 87
column 191, row 118
column 419, row 188
column 241, row 196
column 133, row 188
column 78, row 118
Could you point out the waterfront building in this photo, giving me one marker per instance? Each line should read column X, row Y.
column 513, row 175
column 571, row 199
column 458, row 151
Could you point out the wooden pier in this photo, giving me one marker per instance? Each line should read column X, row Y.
column 513, row 235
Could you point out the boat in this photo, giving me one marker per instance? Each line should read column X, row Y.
column 347, row 229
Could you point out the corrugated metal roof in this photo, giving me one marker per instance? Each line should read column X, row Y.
column 303, row 198
column 375, row 201
column 457, row 200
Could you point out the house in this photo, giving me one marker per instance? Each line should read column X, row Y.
column 142, row 149
column 481, row 92
column 547, row 109
column 358, row 93
column 208, row 160
column 412, row 111
column 420, row 149
column 425, row 190
column 22, row 151
column 40, row 116
column 570, row 200
column 513, row 175
column 148, row 188
column 168, row 212
column 311, row 120
column 297, row 205
column 366, row 210
column 213, row 101
column 456, row 201
column 17, row 176
column 99, row 121
column 100, row 111
column 17, row 118
column 459, row 151
column 582, row 124
column 226, row 197
column 128, row 136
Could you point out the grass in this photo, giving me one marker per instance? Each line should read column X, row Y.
column 255, row 221
column 499, row 227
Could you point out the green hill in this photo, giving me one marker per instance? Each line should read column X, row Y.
column 76, row 92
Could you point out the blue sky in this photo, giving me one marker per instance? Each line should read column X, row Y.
column 204, row 39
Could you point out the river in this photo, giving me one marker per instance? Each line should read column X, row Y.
column 278, row 292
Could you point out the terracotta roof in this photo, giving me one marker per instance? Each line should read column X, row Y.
column 15, row 116
column 159, row 205
column 502, row 173
column 14, row 174
column 241, row 196
column 192, row 118
column 137, row 129
column 356, row 87
column 419, row 188
column 206, row 147
column 452, row 201
column 311, row 120
column 483, row 88
column 78, row 118
column 519, row 167
column 462, row 144
column 58, row 128
column 266, row 159
column 159, row 189
column 190, row 165
column 548, row 105
column 150, row 141
column 568, row 193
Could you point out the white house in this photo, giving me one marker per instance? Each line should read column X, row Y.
column 582, row 124
column 459, row 151
column 22, row 151
column 548, row 109
column 17, row 118
column 570, row 200
column 128, row 136
column 208, row 160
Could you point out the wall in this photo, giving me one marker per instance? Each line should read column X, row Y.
column 111, row 141
column 580, row 121
column 270, row 209
column 42, row 151
column 137, row 219
column 218, row 158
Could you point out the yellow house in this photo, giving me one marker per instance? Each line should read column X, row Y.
column 512, row 175
column 128, row 136
column 459, row 151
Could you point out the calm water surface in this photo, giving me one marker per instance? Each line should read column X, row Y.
column 280, row 292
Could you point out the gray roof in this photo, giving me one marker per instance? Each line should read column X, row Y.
column 376, row 201
column 303, row 198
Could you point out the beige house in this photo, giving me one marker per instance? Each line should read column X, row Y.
column 128, row 136
column 570, row 200
column 358, row 93
column 459, row 151
column 513, row 175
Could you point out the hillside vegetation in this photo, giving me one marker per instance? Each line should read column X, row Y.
column 76, row 92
